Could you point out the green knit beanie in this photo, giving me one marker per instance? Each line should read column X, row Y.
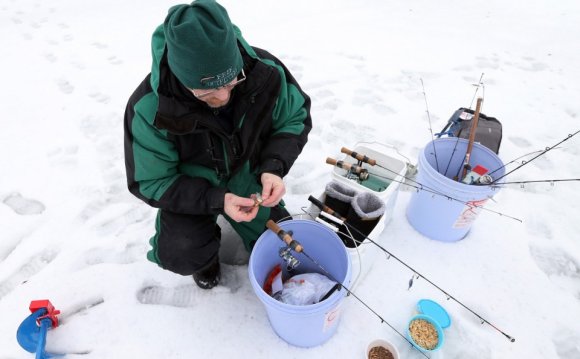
column 202, row 50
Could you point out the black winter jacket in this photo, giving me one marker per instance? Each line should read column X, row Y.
column 182, row 156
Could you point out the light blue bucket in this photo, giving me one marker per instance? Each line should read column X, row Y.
column 436, row 215
column 307, row 325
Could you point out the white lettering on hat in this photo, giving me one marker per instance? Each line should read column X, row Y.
column 218, row 80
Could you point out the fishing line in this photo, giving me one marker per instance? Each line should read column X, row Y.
column 472, row 132
column 430, row 127
column 517, row 158
column 540, row 154
column 357, row 243
column 297, row 247
column 451, row 157
column 477, row 86
column 543, row 181
column 421, row 187
column 471, row 205
column 415, row 272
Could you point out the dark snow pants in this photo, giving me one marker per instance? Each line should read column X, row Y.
column 186, row 243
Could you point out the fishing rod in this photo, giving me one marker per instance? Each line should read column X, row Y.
column 516, row 159
column 286, row 237
column 543, row 181
column 449, row 123
column 418, row 187
column 548, row 149
column 430, row 127
column 477, row 86
column 342, row 220
column 474, row 122
column 358, row 171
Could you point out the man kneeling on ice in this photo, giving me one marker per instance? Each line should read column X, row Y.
column 211, row 130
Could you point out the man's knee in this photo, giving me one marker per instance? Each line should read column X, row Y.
column 186, row 243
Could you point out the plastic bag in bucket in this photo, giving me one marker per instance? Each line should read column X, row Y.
column 302, row 325
column 449, row 214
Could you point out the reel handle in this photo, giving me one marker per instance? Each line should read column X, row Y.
column 358, row 156
column 285, row 236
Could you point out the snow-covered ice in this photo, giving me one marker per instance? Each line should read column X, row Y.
column 71, row 232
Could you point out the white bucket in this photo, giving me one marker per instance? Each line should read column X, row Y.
column 387, row 156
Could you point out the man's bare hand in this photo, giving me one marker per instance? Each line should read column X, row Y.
column 240, row 209
column 273, row 189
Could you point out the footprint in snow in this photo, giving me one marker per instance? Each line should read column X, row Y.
column 100, row 97
column 22, row 205
column 64, row 156
column 50, row 57
column 559, row 266
column 99, row 45
column 555, row 261
column 188, row 295
column 532, row 65
column 520, row 142
column 114, row 60
column 331, row 105
column 182, row 296
column 26, row 271
column 117, row 224
column 65, row 86
column 80, row 308
column 566, row 343
column 324, row 93
column 130, row 253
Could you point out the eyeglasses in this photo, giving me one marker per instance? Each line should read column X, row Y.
column 202, row 94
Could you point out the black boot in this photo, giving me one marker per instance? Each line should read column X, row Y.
column 338, row 197
column 364, row 215
column 208, row 276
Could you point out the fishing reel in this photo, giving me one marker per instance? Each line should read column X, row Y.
column 286, row 254
column 353, row 171
column 360, row 176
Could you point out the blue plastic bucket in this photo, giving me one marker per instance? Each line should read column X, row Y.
column 437, row 216
column 307, row 325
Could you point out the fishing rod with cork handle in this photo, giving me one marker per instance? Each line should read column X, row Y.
column 329, row 210
column 363, row 158
column 358, row 156
column 286, row 237
column 418, row 186
column 466, row 166
column 360, row 172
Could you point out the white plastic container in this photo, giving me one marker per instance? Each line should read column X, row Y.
column 395, row 168
column 382, row 343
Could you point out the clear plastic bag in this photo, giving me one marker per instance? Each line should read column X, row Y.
column 305, row 289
